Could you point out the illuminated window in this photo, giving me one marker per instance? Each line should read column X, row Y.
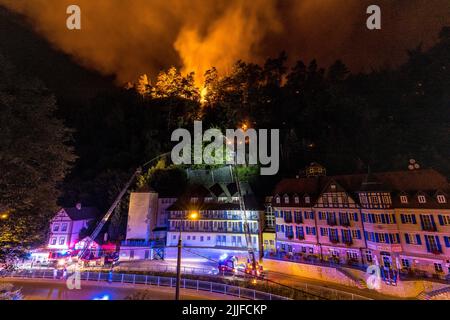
column 277, row 199
column 62, row 240
column 421, row 199
column 405, row 263
column 307, row 199
column 296, row 200
column 53, row 241
column 286, row 199
column 441, row 199
column 446, row 220
column 369, row 257
column 403, row 199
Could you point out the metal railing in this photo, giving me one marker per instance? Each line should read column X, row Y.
column 111, row 277
column 167, row 269
column 312, row 260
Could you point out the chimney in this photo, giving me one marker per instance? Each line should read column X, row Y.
column 78, row 206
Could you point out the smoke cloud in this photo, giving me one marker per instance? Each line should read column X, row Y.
column 129, row 38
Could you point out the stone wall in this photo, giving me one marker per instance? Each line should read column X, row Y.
column 404, row 289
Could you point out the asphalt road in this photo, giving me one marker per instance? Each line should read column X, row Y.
column 285, row 279
column 37, row 289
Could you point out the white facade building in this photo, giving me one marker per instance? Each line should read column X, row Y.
column 67, row 224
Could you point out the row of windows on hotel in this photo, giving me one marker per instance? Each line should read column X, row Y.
column 211, row 225
column 351, row 254
column 54, row 240
column 379, row 218
column 432, row 242
column 56, row 227
column 220, row 239
column 374, row 199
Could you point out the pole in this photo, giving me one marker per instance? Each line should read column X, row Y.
column 177, row 288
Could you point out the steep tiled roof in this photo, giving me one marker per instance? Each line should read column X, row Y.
column 426, row 181
column 85, row 213
column 184, row 202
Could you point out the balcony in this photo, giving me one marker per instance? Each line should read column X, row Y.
column 431, row 228
column 347, row 242
column 216, row 216
column 214, row 230
column 298, row 220
column 334, row 240
column 436, row 251
column 345, row 223
column 331, row 222
column 289, row 235
column 142, row 243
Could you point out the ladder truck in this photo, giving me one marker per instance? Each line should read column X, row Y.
column 108, row 214
column 114, row 205
column 250, row 249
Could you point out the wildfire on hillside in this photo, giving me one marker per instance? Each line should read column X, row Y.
column 129, row 38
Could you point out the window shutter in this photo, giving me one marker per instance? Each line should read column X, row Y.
column 418, row 239
column 363, row 217
column 421, row 222
column 407, row 238
column 366, row 235
column 377, row 238
column 402, row 217
column 355, row 217
column 383, row 218
column 394, row 220
column 314, row 230
column 447, row 242
column 438, row 243
column 414, row 219
column 388, row 237
column 441, row 220
column 358, row 234
column 433, row 223
column 427, row 243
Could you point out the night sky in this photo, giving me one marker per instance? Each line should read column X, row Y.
column 128, row 38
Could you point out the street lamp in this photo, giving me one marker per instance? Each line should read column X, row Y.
column 193, row 215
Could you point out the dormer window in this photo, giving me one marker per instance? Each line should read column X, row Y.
column 441, row 198
column 194, row 199
column 286, row 199
column 296, row 200
column 421, row 199
column 208, row 199
column 404, row 199
column 333, row 187
column 277, row 200
column 307, row 199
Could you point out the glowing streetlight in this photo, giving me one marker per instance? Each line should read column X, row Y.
column 4, row 216
column 193, row 215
